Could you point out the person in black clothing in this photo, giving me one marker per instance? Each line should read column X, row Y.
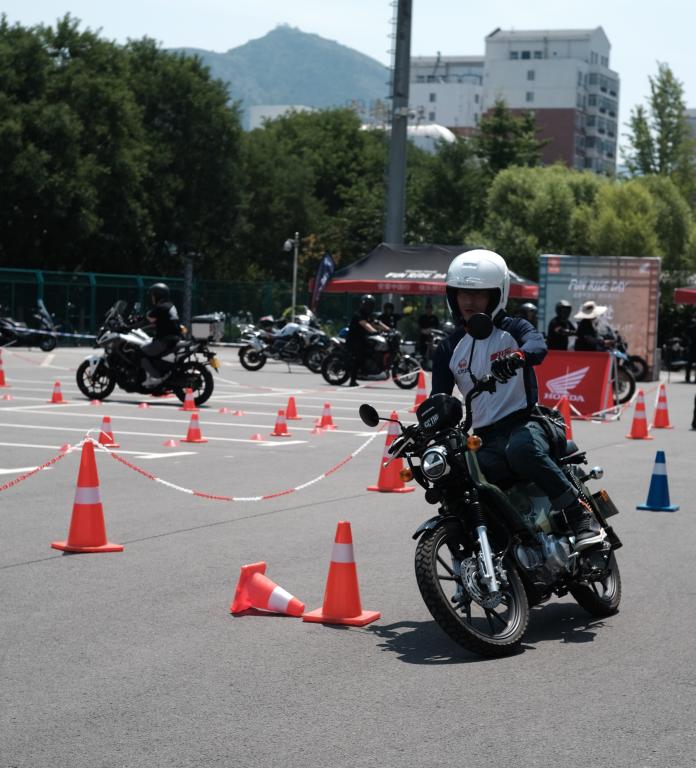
column 362, row 324
column 587, row 338
column 167, row 332
column 528, row 312
column 388, row 317
column 425, row 322
column 560, row 327
column 690, row 336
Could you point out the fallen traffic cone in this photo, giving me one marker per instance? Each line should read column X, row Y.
column 563, row 408
column 57, row 397
column 87, row 530
column 661, row 417
column 389, row 480
column 143, row 405
column 639, row 426
column 224, row 410
column 189, row 402
column 7, row 397
column 255, row 590
column 194, row 431
column 281, row 428
column 170, row 444
column 658, row 493
column 291, row 410
column 326, row 419
column 316, row 430
column 421, row 393
column 3, row 383
column 258, row 437
column 342, row 595
column 106, row 436
column 95, row 402
column 238, row 413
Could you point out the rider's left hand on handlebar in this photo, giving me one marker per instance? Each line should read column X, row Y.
column 505, row 367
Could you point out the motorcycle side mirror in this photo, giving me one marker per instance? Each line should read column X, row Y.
column 479, row 326
column 369, row 415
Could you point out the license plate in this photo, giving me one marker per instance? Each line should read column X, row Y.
column 215, row 363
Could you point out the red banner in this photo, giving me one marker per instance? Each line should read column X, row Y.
column 582, row 377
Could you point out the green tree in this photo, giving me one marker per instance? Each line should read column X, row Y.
column 659, row 137
column 505, row 139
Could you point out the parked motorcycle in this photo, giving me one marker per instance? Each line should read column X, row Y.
column 120, row 364
column 491, row 552
column 294, row 343
column 40, row 332
column 434, row 337
column 636, row 364
column 384, row 355
column 674, row 353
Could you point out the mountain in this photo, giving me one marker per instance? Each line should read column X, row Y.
column 288, row 66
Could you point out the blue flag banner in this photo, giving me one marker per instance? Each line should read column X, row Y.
column 325, row 270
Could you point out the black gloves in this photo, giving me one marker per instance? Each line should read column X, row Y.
column 505, row 367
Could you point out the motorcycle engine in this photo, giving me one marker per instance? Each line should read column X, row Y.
column 547, row 561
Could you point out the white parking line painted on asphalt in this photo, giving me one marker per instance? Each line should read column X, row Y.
column 47, row 360
column 19, row 470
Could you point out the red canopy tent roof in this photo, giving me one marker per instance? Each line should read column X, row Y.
column 685, row 295
column 411, row 269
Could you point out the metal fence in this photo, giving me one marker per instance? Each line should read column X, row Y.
column 79, row 300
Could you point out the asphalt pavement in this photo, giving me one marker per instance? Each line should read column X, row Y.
column 133, row 659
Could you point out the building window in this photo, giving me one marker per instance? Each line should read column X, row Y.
column 530, row 96
column 593, row 78
column 592, row 100
column 431, row 117
column 591, row 121
column 530, row 74
column 514, row 55
column 420, row 79
column 538, row 55
column 432, row 97
column 526, row 55
column 476, row 98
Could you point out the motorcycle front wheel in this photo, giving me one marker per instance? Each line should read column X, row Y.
column 405, row 372
column 251, row 358
column 639, row 367
column 314, row 357
column 199, row 379
column 99, row 387
column 602, row 597
column 442, row 566
column 335, row 369
column 47, row 343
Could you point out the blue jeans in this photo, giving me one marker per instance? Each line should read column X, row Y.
column 518, row 446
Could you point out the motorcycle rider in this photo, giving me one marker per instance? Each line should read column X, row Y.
column 588, row 337
column 362, row 325
column 387, row 317
column 479, row 281
column 528, row 311
column 560, row 328
column 425, row 322
column 167, row 333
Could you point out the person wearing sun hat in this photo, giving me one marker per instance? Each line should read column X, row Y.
column 587, row 339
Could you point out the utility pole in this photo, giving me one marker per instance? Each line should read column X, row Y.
column 396, row 185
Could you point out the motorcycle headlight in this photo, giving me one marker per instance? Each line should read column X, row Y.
column 434, row 464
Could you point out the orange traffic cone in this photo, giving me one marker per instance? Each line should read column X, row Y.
column 326, row 419
column 421, row 393
column 57, row 397
column 170, row 444
column 106, row 436
column 238, row 413
column 563, row 408
column 281, row 428
column 661, row 417
column 291, row 410
column 3, row 383
column 342, row 595
column 258, row 437
column 189, row 402
column 95, row 402
column 389, row 480
column 256, row 590
column 194, row 431
column 87, row 530
column 224, row 409
column 639, row 426
column 7, row 397
column 143, row 405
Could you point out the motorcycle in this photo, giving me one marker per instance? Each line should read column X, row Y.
column 637, row 365
column 294, row 343
column 384, row 355
column 41, row 332
column 491, row 552
column 434, row 337
column 120, row 364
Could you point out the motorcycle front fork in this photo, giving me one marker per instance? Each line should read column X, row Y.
column 486, row 565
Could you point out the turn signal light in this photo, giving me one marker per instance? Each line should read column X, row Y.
column 473, row 442
column 406, row 475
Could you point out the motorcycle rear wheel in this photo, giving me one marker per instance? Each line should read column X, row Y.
column 47, row 343
column 405, row 372
column 627, row 385
column 487, row 632
column 639, row 367
column 600, row 598
column 314, row 357
column 335, row 369
column 251, row 358
column 97, row 388
column 200, row 381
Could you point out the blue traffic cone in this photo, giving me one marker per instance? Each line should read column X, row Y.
column 658, row 493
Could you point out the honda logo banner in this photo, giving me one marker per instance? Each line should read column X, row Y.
column 583, row 377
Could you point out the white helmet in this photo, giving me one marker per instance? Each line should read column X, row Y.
column 476, row 270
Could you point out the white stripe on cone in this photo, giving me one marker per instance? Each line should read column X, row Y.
column 660, row 469
column 342, row 553
column 87, row 495
column 279, row 600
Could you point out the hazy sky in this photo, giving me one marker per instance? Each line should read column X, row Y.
column 641, row 32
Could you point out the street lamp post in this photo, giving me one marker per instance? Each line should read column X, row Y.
column 290, row 244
